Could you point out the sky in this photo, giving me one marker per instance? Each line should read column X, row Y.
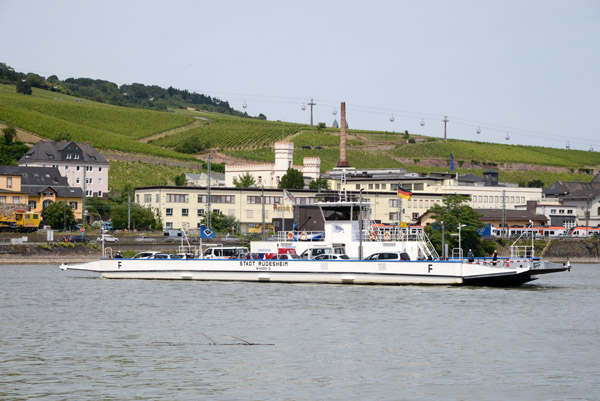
column 524, row 69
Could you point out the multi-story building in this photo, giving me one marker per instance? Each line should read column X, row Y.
column 558, row 214
column 484, row 193
column 80, row 163
column 37, row 187
column 585, row 196
column 268, row 175
column 185, row 207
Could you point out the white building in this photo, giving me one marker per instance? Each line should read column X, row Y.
column 83, row 166
column 484, row 193
column 269, row 174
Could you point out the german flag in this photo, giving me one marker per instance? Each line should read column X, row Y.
column 404, row 194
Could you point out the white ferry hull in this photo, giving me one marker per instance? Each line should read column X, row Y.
column 330, row 272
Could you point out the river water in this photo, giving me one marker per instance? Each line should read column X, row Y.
column 73, row 336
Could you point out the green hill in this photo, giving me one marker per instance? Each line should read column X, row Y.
column 148, row 147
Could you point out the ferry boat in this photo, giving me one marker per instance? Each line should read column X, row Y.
column 391, row 256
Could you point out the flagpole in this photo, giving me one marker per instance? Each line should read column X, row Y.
column 282, row 211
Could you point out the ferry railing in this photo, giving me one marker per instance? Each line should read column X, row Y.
column 521, row 251
column 524, row 251
column 305, row 236
column 457, row 253
column 107, row 253
column 429, row 250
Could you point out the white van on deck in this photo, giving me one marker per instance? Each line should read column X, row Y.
column 225, row 252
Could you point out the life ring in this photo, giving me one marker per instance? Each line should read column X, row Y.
column 290, row 235
column 303, row 237
column 372, row 235
column 387, row 236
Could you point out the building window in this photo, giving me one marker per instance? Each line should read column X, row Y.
column 383, row 186
column 260, row 179
column 8, row 182
column 200, row 212
column 485, row 199
column 169, row 225
column 178, row 198
column 157, row 198
column 249, row 213
column 217, row 199
column 73, row 205
column 100, row 181
column 77, row 180
column 32, row 204
column 571, row 211
column 269, row 200
column 370, row 186
column 46, row 203
column 100, row 168
column 185, row 212
column 418, row 187
column 137, row 198
column 216, row 211
column 169, row 211
column 393, row 216
column 66, row 167
column 16, row 200
column 415, row 216
column 2, row 199
column 48, row 193
column 99, row 193
column 147, row 198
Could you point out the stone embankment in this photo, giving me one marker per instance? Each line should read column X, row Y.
column 576, row 250
column 36, row 254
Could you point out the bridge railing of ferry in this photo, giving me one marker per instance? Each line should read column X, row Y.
column 523, row 251
column 310, row 236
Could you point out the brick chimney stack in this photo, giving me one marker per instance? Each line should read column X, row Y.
column 343, row 161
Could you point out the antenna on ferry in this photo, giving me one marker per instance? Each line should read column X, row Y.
column 478, row 130
column 507, row 136
column 422, row 122
column 303, row 106
column 334, row 112
column 392, row 118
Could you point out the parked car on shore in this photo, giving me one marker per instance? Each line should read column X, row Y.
column 145, row 239
column 77, row 239
column 108, row 239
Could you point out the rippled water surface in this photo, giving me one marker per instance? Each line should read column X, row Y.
column 70, row 335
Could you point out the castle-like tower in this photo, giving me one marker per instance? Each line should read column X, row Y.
column 269, row 174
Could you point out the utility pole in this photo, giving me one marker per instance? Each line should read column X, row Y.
column 504, row 214
column 129, row 211
column 83, row 219
column 208, row 222
column 311, row 104
column 445, row 120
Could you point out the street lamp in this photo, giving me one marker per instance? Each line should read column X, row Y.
column 460, row 226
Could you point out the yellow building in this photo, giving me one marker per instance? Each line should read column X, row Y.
column 37, row 187
column 185, row 207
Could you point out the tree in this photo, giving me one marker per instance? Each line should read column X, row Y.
column 180, row 180
column 56, row 214
column 454, row 213
column 535, row 184
column 220, row 222
column 24, row 87
column 292, row 179
column 140, row 217
column 10, row 133
column 319, row 183
column 245, row 181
